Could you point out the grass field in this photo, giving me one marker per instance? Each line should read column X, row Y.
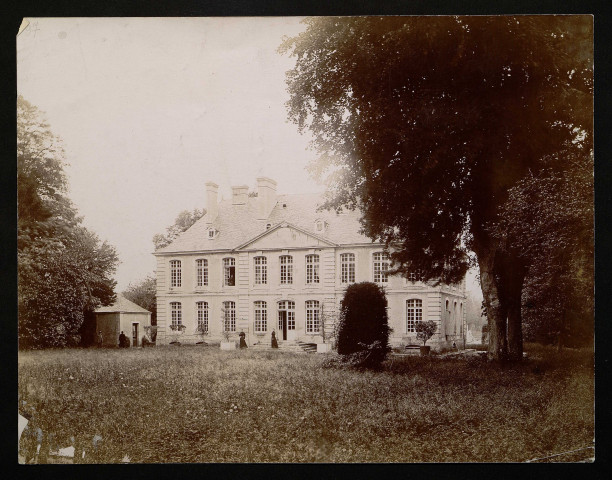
column 198, row 404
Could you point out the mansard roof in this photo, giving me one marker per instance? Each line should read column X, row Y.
column 237, row 225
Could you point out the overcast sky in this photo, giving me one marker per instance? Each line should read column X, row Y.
column 151, row 109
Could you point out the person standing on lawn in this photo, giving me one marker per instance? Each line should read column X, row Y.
column 242, row 341
column 122, row 339
column 100, row 338
column 274, row 342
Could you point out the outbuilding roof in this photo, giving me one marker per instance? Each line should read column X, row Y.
column 122, row 305
column 238, row 224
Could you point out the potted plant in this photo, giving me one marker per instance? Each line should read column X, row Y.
column 227, row 344
column 202, row 333
column 226, row 334
column 326, row 321
column 178, row 331
column 425, row 331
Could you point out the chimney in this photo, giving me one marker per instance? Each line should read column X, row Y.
column 239, row 194
column 212, row 207
column 266, row 197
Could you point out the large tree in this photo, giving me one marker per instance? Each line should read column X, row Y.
column 64, row 270
column 425, row 124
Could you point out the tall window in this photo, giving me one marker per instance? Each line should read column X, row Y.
column 261, row 271
column 415, row 276
column 289, row 307
column 261, row 317
column 414, row 314
column 229, row 316
column 201, row 272
column 175, row 273
column 312, row 269
column 286, row 269
column 176, row 314
column 229, row 271
column 347, row 264
column 202, row 312
column 381, row 265
column 313, row 320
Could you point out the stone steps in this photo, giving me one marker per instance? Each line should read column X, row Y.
column 307, row 347
column 295, row 347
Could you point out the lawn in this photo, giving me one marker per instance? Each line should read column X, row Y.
column 198, row 404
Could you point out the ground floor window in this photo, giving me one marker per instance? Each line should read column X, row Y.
column 261, row 317
column 202, row 312
column 176, row 313
column 313, row 321
column 414, row 313
column 229, row 316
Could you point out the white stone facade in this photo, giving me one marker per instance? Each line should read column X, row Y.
column 276, row 285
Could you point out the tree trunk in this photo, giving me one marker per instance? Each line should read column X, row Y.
column 496, row 311
column 561, row 329
column 515, row 330
column 513, row 279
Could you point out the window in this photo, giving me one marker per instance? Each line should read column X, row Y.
column 319, row 225
column 414, row 313
column 313, row 322
column 286, row 269
column 347, row 263
column 201, row 272
column 211, row 233
column 312, row 269
column 381, row 265
column 415, row 276
column 288, row 307
column 261, row 317
column 229, row 272
column 176, row 314
column 175, row 273
column 268, row 226
column 261, row 271
column 229, row 316
column 202, row 312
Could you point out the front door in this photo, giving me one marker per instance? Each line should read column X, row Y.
column 282, row 320
column 286, row 319
column 134, row 334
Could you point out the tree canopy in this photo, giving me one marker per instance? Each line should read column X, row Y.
column 144, row 294
column 425, row 124
column 183, row 221
column 549, row 216
column 64, row 270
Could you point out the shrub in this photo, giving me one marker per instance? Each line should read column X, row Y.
column 363, row 333
column 425, row 330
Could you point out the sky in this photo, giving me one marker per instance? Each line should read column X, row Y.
column 150, row 109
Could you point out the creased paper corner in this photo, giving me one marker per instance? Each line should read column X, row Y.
column 24, row 24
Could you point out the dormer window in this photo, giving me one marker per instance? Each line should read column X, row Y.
column 212, row 233
column 320, row 226
column 268, row 226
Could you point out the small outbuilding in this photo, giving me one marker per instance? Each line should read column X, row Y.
column 123, row 316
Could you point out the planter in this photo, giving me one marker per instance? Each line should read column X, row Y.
column 228, row 345
column 324, row 347
column 425, row 350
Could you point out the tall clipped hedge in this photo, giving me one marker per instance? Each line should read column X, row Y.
column 364, row 331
